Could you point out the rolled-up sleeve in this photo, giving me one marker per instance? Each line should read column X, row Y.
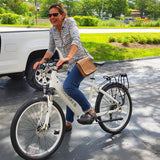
column 52, row 47
column 74, row 32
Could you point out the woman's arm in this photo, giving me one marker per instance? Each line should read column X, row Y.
column 76, row 41
column 69, row 57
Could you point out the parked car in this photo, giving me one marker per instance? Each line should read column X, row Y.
column 128, row 20
column 19, row 50
column 106, row 18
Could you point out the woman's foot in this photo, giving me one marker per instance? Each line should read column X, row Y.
column 68, row 127
column 88, row 117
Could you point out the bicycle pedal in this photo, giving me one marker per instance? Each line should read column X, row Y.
column 85, row 121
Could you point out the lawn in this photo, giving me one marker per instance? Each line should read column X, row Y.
column 99, row 47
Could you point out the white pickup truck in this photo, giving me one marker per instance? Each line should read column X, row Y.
column 19, row 50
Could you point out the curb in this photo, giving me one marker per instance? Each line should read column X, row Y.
column 129, row 60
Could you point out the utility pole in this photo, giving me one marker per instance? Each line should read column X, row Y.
column 36, row 9
column 102, row 9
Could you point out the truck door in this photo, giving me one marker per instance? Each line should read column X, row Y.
column 0, row 44
column 8, row 50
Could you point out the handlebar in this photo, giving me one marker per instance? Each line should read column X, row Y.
column 51, row 63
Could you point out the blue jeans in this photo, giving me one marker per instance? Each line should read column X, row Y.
column 71, row 87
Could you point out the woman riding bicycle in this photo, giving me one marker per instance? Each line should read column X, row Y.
column 65, row 36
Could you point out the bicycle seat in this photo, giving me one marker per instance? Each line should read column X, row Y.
column 99, row 63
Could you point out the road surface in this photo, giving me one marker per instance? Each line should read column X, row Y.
column 140, row 140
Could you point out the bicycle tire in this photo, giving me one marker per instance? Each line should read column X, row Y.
column 27, row 139
column 111, row 122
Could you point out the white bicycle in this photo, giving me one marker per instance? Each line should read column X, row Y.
column 38, row 126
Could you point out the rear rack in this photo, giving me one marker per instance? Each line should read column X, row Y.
column 121, row 78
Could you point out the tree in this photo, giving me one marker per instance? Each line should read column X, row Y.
column 131, row 4
column 22, row 9
column 72, row 7
column 13, row 4
column 148, row 7
column 97, row 7
column 153, row 9
column 141, row 5
column 44, row 6
column 117, row 7
column 87, row 7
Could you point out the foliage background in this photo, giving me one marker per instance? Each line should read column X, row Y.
column 97, row 8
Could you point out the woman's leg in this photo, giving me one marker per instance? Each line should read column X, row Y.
column 71, row 87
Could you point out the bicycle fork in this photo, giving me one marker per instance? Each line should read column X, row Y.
column 47, row 115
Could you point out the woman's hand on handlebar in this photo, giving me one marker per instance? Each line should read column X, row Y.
column 62, row 61
column 36, row 64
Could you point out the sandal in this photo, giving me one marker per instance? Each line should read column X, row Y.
column 87, row 118
column 68, row 127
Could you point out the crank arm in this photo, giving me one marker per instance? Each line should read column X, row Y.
column 110, row 120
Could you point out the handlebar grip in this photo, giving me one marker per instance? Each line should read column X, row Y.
column 61, row 66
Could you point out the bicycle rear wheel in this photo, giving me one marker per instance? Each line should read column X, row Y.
column 117, row 121
column 28, row 138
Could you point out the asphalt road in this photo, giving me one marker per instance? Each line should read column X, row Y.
column 140, row 140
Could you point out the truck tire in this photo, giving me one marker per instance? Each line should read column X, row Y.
column 34, row 77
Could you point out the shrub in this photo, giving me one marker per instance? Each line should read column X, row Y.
column 89, row 21
column 142, row 40
column 33, row 21
column 125, row 41
column 135, row 37
column 26, row 21
column 155, row 40
column 139, row 38
column 2, row 10
column 78, row 20
column 9, row 18
column 112, row 39
column 131, row 40
column 149, row 40
column 86, row 21
column 119, row 39
column 141, row 23
column 110, row 23
column 158, row 23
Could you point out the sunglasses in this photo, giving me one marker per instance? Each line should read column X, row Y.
column 53, row 14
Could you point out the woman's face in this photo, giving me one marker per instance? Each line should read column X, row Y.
column 56, row 20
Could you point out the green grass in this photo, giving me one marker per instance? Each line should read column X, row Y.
column 101, row 50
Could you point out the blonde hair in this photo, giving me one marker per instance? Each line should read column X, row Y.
column 60, row 8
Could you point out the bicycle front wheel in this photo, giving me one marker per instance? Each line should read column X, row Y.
column 114, row 122
column 29, row 139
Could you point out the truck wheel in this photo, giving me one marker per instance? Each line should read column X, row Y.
column 34, row 78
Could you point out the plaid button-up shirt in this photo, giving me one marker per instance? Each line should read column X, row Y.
column 69, row 36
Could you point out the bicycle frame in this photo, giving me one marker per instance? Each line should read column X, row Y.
column 73, row 105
